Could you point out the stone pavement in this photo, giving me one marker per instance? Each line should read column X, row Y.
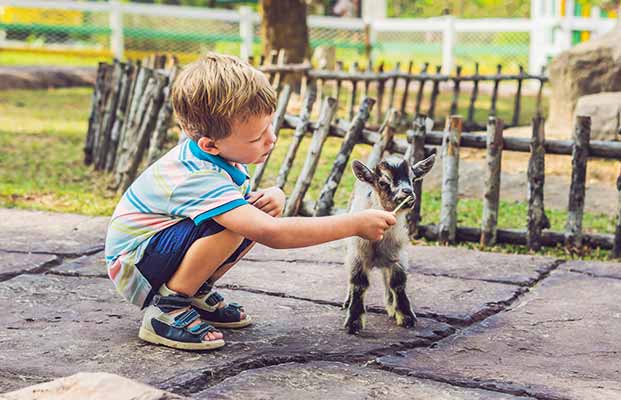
column 492, row 326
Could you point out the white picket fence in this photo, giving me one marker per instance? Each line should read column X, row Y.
column 548, row 35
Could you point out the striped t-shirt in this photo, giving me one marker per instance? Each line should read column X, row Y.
column 184, row 183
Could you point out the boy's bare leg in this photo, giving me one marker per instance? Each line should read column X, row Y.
column 199, row 264
column 225, row 268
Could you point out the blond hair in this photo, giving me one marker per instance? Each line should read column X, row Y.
column 209, row 94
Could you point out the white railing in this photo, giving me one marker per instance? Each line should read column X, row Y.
column 548, row 35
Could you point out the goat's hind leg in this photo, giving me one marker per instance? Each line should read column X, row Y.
column 358, row 284
column 403, row 309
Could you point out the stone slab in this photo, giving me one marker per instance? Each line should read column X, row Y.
column 93, row 266
column 334, row 380
column 458, row 301
column 560, row 341
column 55, row 233
column 595, row 268
column 432, row 260
column 12, row 263
column 92, row 386
column 60, row 325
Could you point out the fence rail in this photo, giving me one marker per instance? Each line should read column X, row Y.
column 447, row 39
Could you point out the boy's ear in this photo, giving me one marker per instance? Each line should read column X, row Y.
column 362, row 172
column 208, row 145
column 421, row 168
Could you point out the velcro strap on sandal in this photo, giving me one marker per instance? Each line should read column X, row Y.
column 204, row 289
column 185, row 318
column 202, row 328
column 169, row 303
column 236, row 306
column 214, row 298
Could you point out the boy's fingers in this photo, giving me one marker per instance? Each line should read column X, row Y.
column 254, row 196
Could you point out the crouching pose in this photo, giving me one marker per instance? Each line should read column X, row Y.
column 389, row 184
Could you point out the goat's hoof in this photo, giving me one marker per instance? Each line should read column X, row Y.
column 353, row 326
column 406, row 321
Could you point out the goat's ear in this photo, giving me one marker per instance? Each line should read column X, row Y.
column 362, row 172
column 421, row 168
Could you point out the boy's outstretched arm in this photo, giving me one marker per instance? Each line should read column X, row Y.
column 284, row 233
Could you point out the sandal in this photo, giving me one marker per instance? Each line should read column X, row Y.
column 174, row 331
column 207, row 304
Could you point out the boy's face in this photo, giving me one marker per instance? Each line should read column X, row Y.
column 250, row 142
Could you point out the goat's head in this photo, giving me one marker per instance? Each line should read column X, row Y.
column 392, row 179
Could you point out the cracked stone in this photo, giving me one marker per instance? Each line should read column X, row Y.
column 561, row 340
column 60, row 325
column 595, row 268
column 87, row 266
column 454, row 300
column 55, row 233
column 335, row 380
column 19, row 263
column 431, row 260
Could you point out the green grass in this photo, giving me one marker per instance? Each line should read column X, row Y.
column 18, row 58
column 42, row 134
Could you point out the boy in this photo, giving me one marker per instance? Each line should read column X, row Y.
column 190, row 216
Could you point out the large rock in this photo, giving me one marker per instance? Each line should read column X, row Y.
column 93, row 386
column 590, row 67
column 605, row 112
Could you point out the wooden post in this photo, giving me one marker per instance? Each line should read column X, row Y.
column 404, row 99
column 616, row 249
column 575, row 208
column 421, row 87
column 393, row 87
column 414, row 154
column 386, row 132
column 337, row 90
column 94, row 118
column 491, row 198
column 328, row 111
column 281, row 110
column 473, row 97
column 129, row 76
column 298, row 135
column 537, row 219
column 164, row 116
column 280, row 62
column 518, row 99
column 326, row 197
column 538, row 108
column 492, row 110
column 352, row 99
column 381, row 86
column 368, row 82
column 447, row 228
column 456, row 83
column 434, row 93
column 98, row 133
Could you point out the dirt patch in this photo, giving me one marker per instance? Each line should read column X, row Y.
column 45, row 77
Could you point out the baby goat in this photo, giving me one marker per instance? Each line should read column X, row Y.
column 391, row 182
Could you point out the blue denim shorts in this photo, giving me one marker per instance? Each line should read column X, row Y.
column 167, row 248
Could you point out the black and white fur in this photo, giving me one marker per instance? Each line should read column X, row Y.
column 388, row 184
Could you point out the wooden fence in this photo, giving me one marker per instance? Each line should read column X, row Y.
column 406, row 90
column 420, row 144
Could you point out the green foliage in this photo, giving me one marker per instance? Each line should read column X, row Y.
column 459, row 8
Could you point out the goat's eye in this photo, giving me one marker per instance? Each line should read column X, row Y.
column 383, row 185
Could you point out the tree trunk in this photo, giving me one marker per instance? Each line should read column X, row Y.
column 283, row 26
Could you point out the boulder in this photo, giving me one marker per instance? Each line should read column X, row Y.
column 605, row 112
column 588, row 68
column 92, row 386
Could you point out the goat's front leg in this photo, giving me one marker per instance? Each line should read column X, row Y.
column 358, row 284
column 389, row 297
column 403, row 310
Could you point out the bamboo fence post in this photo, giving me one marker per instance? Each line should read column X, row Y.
column 328, row 111
column 492, row 182
column 393, row 87
column 381, row 86
column 414, row 154
column 352, row 99
column 518, row 99
column 421, row 87
column 456, row 83
column 447, row 229
column 298, row 135
column 326, row 197
column 616, row 249
column 125, row 91
column 473, row 97
column 434, row 93
column 537, row 219
column 404, row 98
column 164, row 116
column 279, row 118
column 492, row 110
column 575, row 207
column 94, row 117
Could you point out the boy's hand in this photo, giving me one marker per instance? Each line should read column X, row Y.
column 373, row 223
column 271, row 200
